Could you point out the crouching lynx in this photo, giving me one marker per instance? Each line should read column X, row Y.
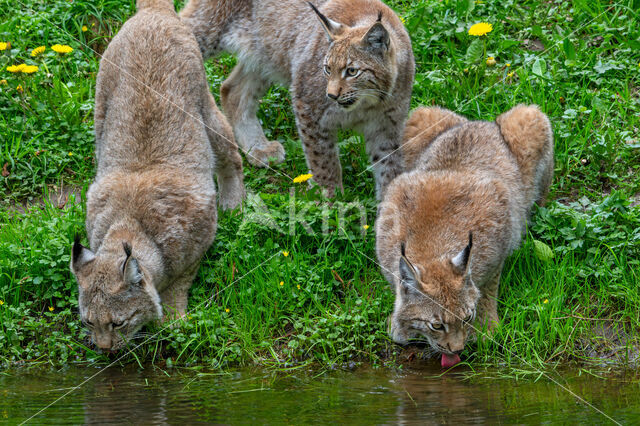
column 447, row 225
column 151, row 210
column 352, row 68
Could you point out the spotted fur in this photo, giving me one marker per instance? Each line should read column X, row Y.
column 348, row 64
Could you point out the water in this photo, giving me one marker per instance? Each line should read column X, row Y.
column 363, row 396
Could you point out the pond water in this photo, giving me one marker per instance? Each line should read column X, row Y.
column 363, row 396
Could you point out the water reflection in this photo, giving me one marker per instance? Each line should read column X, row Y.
column 434, row 398
column 365, row 396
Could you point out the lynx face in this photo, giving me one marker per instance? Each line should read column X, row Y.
column 359, row 65
column 115, row 298
column 436, row 301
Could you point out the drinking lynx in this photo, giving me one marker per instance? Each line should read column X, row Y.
column 447, row 225
column 151, row 210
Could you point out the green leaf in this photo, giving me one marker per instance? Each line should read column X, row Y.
column 569, row 50
column 542, row 251
column 539, row 67
column 464, row 7
column 474, row 52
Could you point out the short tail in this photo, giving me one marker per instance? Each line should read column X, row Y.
column 155, row 4
column 528, row 134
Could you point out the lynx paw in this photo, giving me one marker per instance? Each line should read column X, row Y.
column 271, row 152
column 232, row 193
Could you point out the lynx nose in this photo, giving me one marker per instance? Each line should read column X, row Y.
column 332, row 96
column 103, row 342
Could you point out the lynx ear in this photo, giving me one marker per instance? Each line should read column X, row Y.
column 377, row 38
column 131, row 270
column 461, row 261
column 80, row 256
column 331, row 27
column 408, row 275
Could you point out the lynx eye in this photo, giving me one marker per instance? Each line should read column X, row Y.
column 327, row 70
column 88, row 323
column 352, row 72
column 436, row 326
column 117, row 325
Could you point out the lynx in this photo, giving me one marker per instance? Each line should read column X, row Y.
column 348, row 64
column 447, row 225
column 151, row 210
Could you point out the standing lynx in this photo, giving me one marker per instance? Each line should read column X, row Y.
column 447, row 225
column 151, row 210
column 353, row 68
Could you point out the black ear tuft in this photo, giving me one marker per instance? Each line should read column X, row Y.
column 331, row 27
column 402, row 251
column 77, row 248
column 379, row 16
column 127, row 248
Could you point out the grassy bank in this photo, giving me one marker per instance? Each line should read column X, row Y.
column 278, row 291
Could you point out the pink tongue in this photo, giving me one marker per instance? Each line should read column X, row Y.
column 449, row 361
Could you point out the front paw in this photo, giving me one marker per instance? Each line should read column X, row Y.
column 270, row 152
column 232, row 193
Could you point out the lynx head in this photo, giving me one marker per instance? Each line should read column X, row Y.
column 360, row 65
column 435, row 299
column 116, row 297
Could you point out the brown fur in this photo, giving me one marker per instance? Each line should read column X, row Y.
column 286, row 42
column 470, row 177
column 151, row 211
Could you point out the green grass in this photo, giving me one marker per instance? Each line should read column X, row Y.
column 333, row 302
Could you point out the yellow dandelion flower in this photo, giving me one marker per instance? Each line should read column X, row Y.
column 84, row 29
column 365, row 227
column 480, row 29
column 491, row 61
column 545, row 301
column 1, row 302
column 16, row 68
column 466, row 70
column 4, row 46
column 38, row 50
column 50, row 308
column 62, row 48
column 70, row 153
column 281, row 283
column 227, row 310
column 19, row 88
column 402, row 20
column 29, row 69
column 302, row 178
column 285, row 253
column 510, row 74
column 507, row 64
column 298, row 286
column 3, row 82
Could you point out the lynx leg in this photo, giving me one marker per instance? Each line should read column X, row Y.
column 320, row 149
column 228, row 161
column 239, row 95
column 176, row 297
column 383, row 147
column 488, row 303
